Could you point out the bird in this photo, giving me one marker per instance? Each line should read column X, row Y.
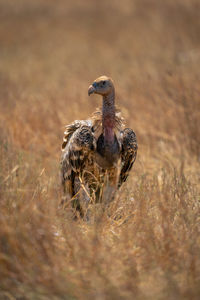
column 97, row 152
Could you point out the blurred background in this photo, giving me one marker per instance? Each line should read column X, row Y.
column 50, row 52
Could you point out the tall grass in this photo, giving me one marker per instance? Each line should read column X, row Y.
column 146, row 245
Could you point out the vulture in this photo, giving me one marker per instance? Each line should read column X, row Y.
column 97, row 153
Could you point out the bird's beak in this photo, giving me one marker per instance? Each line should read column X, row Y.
column 91, row 90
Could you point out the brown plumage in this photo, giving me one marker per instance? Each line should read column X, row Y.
column 97, row 152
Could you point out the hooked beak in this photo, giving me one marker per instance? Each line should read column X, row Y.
column 91, row 90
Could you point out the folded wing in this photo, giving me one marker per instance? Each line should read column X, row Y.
column 78, row 143
column 128, row 153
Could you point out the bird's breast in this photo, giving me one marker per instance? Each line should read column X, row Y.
column 107, row 154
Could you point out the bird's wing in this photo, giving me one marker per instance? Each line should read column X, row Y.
column 128, row 153
column 78, row 143
column 71, row 128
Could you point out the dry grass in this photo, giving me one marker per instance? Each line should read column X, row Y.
column 147, row 245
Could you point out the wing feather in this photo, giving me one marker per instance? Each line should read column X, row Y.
column 128, row 153
column 78, row 143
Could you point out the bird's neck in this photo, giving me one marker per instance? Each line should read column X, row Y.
column 108, row 116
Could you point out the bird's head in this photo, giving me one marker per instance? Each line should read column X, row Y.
column 102, row 86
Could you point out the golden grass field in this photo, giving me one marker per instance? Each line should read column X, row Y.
column 147, row 245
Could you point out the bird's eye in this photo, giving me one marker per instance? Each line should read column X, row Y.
column 103, row 82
